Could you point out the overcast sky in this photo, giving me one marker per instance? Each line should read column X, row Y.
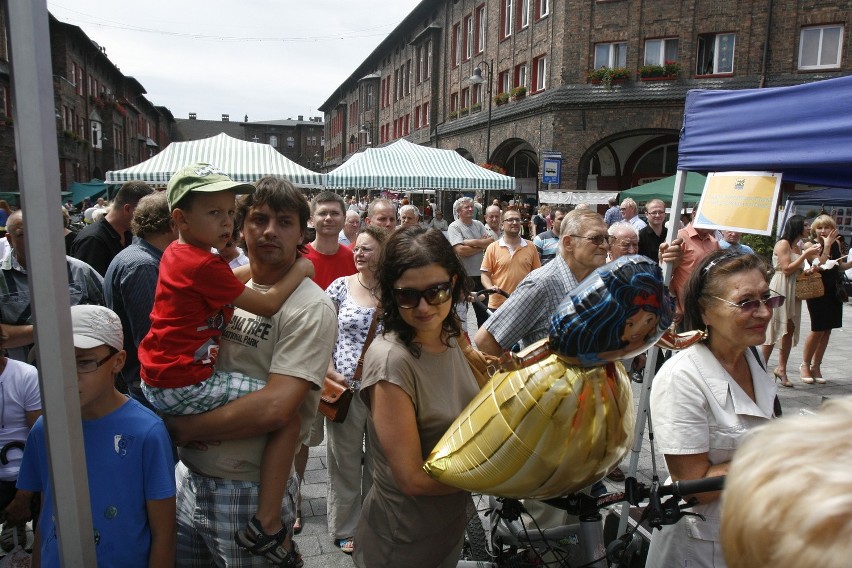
column 269, row 59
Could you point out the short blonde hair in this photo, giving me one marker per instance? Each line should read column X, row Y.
column 788, row 495
column 821, row 222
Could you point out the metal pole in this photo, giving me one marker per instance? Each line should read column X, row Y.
column 490, row 102
column 38, row 174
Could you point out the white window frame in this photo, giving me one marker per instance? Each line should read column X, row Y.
column 655, row 50
column 543, row 8
column 480, row 43
column 821, row 48
column 616, row 55
column 508, row 21
column 97, row 134
column 291, row 142
column 717, row 38
column 521, row 72
column 273, row 140
column 525, row 13
column 540, row 74
column 468, row 44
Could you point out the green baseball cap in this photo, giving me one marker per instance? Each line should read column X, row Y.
column 201, row 177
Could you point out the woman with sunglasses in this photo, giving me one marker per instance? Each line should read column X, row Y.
column 706, row 398
column 350, row 461
column 416, row 381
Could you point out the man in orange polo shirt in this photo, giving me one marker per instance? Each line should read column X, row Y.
column 507, row 261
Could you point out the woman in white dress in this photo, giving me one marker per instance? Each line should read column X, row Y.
column 788, row 259
column 706, row 398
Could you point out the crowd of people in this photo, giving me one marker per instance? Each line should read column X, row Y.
column 206, row 320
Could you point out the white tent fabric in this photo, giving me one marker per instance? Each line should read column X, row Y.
column 403, row 165
column 241, row 160
column 575, row 197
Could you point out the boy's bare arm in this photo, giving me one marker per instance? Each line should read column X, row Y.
column 257, row 413
column 267, row 304
column 162, row 520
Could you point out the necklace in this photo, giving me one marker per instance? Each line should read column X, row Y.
column 370, row 290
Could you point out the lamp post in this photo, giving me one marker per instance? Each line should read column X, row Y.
column 477, row 79
column 367, row 128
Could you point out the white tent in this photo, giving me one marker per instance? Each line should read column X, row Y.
column 241, row 160
column 403, row 165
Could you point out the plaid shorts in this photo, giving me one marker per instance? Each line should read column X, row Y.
column 220, row 389
column 211, row 510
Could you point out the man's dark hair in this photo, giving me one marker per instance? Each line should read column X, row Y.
column 556, row 209
column 279, row 195
column 131, row 192
column 326, row 197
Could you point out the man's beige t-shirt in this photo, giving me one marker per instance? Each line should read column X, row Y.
column 297, row 341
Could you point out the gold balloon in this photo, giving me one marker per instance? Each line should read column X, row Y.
column 544, row 430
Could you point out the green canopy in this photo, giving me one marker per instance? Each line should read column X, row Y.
column 93, row 188
column 664, row 189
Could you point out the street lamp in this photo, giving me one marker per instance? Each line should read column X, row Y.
column 367, row 128
column 477, row 79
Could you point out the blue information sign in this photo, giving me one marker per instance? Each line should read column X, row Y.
column 551, row 170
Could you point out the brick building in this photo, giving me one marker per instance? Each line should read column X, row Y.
column 603, row 81
column 103, row 119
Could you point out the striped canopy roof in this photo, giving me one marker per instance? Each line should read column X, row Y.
column 403, row 165
column 241, row 160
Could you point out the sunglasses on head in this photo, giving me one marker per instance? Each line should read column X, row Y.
column 407, row 298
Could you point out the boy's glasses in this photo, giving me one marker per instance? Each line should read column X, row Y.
column 407, row 298
column 750, row 306
column 90, row 365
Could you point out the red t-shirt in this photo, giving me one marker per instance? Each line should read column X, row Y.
column 330, row 267
column 191, row 310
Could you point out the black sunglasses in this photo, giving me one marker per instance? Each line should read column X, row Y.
column 408, row 298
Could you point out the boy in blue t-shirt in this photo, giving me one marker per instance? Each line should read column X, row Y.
column 128, row 458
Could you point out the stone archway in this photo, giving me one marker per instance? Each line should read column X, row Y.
column 465, row 153
column 520, row 160
column 620, row 161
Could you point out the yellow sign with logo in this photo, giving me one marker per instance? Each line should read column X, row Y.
column 739, row 201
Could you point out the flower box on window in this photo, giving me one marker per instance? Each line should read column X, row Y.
column 666, row 72
column 608, row 75
column 501, row 98
column 518, row 93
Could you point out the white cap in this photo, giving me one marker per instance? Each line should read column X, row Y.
column 96, row 325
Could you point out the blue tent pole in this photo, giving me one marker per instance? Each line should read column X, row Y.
column 642, row 414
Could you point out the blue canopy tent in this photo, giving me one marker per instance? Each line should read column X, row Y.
column 803, row 131
column 829, row 197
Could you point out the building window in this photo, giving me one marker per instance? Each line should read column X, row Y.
column 611, row 55
column 506, row 18
column 477, row 94
column 539, row 78
column 454, row 102
column 407, row 78
column 416, row 117
column 291, row 142
column 468, row 37
column 480, row 28
column 465, row 97
column 97, row 134
column 425, row 113
column 273, row 141
column 456, row 45
column 820, row 47
column 520, row 75
column 427, row 72
column 370, row 96
column 503, row 85
column 715, row 54
column 658, row 51
column 523, row 13
column 542, row 8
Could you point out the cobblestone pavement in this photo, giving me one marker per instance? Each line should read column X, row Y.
column 318, row 549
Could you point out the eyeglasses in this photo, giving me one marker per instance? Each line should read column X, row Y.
column 626, row 245
column 597, row 240
column 750, row 306
column 90, row 365
column 408, row 298
column 512, row 220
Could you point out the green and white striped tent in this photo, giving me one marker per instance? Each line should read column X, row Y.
column 241, row 160
column 403, row 165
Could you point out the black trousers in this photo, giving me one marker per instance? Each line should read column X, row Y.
column 478, row 308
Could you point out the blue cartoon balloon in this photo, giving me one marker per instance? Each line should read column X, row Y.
column 618, row 311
